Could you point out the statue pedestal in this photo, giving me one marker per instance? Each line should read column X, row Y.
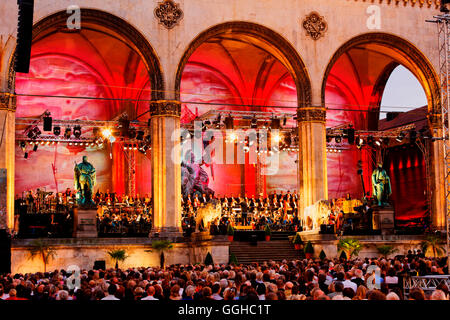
column 85, row 223
column 383, row 219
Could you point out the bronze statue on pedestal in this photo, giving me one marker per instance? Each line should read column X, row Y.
column 85, row 180
column 381, row 186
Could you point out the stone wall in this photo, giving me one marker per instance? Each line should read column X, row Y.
column 328, row 242
column 84, row 252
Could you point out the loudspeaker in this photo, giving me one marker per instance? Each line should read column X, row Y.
column 24, row 36
column 5, row 252
column 99, row 264
column 47, row 123
column 351, row 135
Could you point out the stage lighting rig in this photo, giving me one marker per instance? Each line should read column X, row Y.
column 34, row 133
column 77, row 131
column 444, row 6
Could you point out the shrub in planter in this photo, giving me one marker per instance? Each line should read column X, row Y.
column 209, row 259
column 230, row 232
column 268, row 232
column 298, row 242
column 322, row 255
column 309, row 250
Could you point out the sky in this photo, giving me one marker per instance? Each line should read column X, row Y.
column 403, row 92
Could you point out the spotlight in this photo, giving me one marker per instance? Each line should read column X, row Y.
column 386, row 141
column 351, row 135
column 25, row 155
column 132, row 133
column 254, row 123
column 217, row 121
column 22, row 145
column 77, row 131
column 106, row 133
column 276, row 138
column 284, row 121
column 233, row 137
column 125, row 146
column 400, row 137
column 47, row 122
column 148, row 139
column 378, row 143
column 140, row 135
column 370, row 141
column 34, row 133
column 56, row 131
column 67, row 133
column 35, row 147
column 229, row 122
column 329, row 138
column 338, row 139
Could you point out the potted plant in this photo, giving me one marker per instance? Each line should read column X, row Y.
column 298, row 242
column 309, row 250
column 351, row 247
column 161, row 246
column 230, row 232
column 209, row 259
column 43, row 250
column 322, row 255
column 268, row 232
column 435, row 243
column 118, row 255
column 386, row 250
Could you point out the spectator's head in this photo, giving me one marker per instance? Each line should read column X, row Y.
column 438, row 295
column 338, row 287
column 348, row 292
column 376, row 295
column 112, row 288
column 416, row 294
column 392, row 296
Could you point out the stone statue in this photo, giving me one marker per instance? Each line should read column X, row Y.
column 85, row 181
column 381, row 185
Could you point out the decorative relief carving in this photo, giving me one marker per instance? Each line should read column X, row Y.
column 165, row 108
column 7, row 101
column 421, row 3
column 317, row 114
column 168, row 13
column 315, row 25
column 435, row 120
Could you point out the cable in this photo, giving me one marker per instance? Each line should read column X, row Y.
column 217, row 104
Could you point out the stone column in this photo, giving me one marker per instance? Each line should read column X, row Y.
column 7, row 156
column 312, row 157
column 166, row 168
column 437, row 173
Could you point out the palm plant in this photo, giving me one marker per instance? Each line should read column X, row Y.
column 433, row 241
column 351, row 247
column 118, row 255
column 161, row 246
column 43, row 250
column 386, row 250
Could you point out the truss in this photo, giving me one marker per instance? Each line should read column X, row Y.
column 442, row 22
column 426, row 283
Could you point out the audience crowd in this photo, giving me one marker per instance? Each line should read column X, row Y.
column 286, row 280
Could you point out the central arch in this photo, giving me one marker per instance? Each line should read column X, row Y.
column 274, row 43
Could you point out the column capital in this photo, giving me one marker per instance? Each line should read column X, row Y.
column 168, row 108
column 7, row 101
column 311, row 114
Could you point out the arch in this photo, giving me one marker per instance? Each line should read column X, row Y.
column 102, row 19
column 419, row 64
column 279, row 46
